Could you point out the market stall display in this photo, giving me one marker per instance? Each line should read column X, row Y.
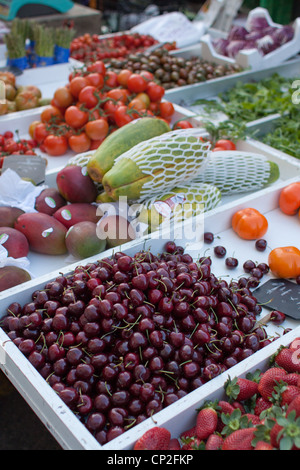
column 143, row 265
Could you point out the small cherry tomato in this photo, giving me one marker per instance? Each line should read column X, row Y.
column 136, row 83
column 97, row 129
column 225, row 144
column 289, row 200
column 80, row 143
column 183, row 125
column 284, row 262
column 249, row 224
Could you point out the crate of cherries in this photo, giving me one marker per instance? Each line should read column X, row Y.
column 121, row 338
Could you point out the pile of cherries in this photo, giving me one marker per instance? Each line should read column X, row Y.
column 124, row 337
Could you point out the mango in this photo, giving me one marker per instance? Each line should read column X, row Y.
column 14, row 242
column 8, row 215
column 116, row 229
column 75, row 185
column 82, row 240
column 45, row 234
column 72, row 214
column 49, row 201
column 11, row 276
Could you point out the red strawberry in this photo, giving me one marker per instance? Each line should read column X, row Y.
column 174, row 444
column 295, row 345
column 240, row 440
column 207, row 422
column 253, row 418
column 261, row 405
column 194, row 444
column 188, row 433
column 268, row 381
column 238, row 405
column 240, row 389
column 294, row 405
column 288, row 360
column 261, row 445
column 214, row 442
column 292, row 379
column 289, row 394
column 154, row 439
column 226, row 407
column 274, row 435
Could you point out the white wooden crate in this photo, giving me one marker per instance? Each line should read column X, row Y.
column 61, row 422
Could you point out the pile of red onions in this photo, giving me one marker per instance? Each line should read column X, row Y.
column 258, row 35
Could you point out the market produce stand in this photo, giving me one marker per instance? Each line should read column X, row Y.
column 106, row 339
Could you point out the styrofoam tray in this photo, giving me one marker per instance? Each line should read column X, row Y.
column 252, row 58
column 21, row 121
column 57, row 417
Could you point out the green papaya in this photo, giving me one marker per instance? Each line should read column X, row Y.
column 122, row 140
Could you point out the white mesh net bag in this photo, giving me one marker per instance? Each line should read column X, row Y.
column 165, row 161
column 238, row 172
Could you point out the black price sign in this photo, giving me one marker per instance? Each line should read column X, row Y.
column 280, row 294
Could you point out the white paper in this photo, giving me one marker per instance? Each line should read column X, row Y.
column 171, row 27
column 5, row 260
column 16, row 192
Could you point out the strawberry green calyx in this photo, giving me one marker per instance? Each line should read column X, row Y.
column 289, row 435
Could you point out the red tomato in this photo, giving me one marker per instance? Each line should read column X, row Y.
column 95, row 79
column 51, row 114
column 182, row 125
column 225, row 144
column 166, row 109
column 55, row 145
column 118, row 94
column 63, row 97
column 136, row 83
column 155, row 91
column 98, row 67
column 111, row 79
column 80, row 142
column 110, row 108
column 77, row 84
column 123, row 77
column 97, row 130
column 122, row 117
column 88, row 96
column 75, row 117
column 40, row 133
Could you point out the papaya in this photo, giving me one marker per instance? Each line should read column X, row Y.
column 49, row 201
column 72, row 214
column 164, row 161
column 45, row 234
column 82, row 240
column 120, row 141
column 11, row 276
column 104, row 198
column 8, row 215
column 75, row 185
column 14, row 242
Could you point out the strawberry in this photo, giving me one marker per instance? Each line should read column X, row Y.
column 240, row 440
column 261, row 445
column 174, row 444
column 268, row 381
column 238, row 406
column 274, row 435
column 289, row 394
column 154, row 439
column 292, row 379
column 207, row 422
column 214, row 442
column 225, row 407
column 240, row 389
column 261, row 405
column 193, row 444
column 288, row 360
column 285, row 434
column 253, row 419
column 294, row 405
column 295, row 345
column 188, row 433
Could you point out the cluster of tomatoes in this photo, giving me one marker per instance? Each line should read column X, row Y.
column 9, row 145
column 94, row 103
column 88, row 48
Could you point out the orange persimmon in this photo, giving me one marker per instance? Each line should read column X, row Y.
column 249, row 224
column 284, row 262
column 289, row 200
